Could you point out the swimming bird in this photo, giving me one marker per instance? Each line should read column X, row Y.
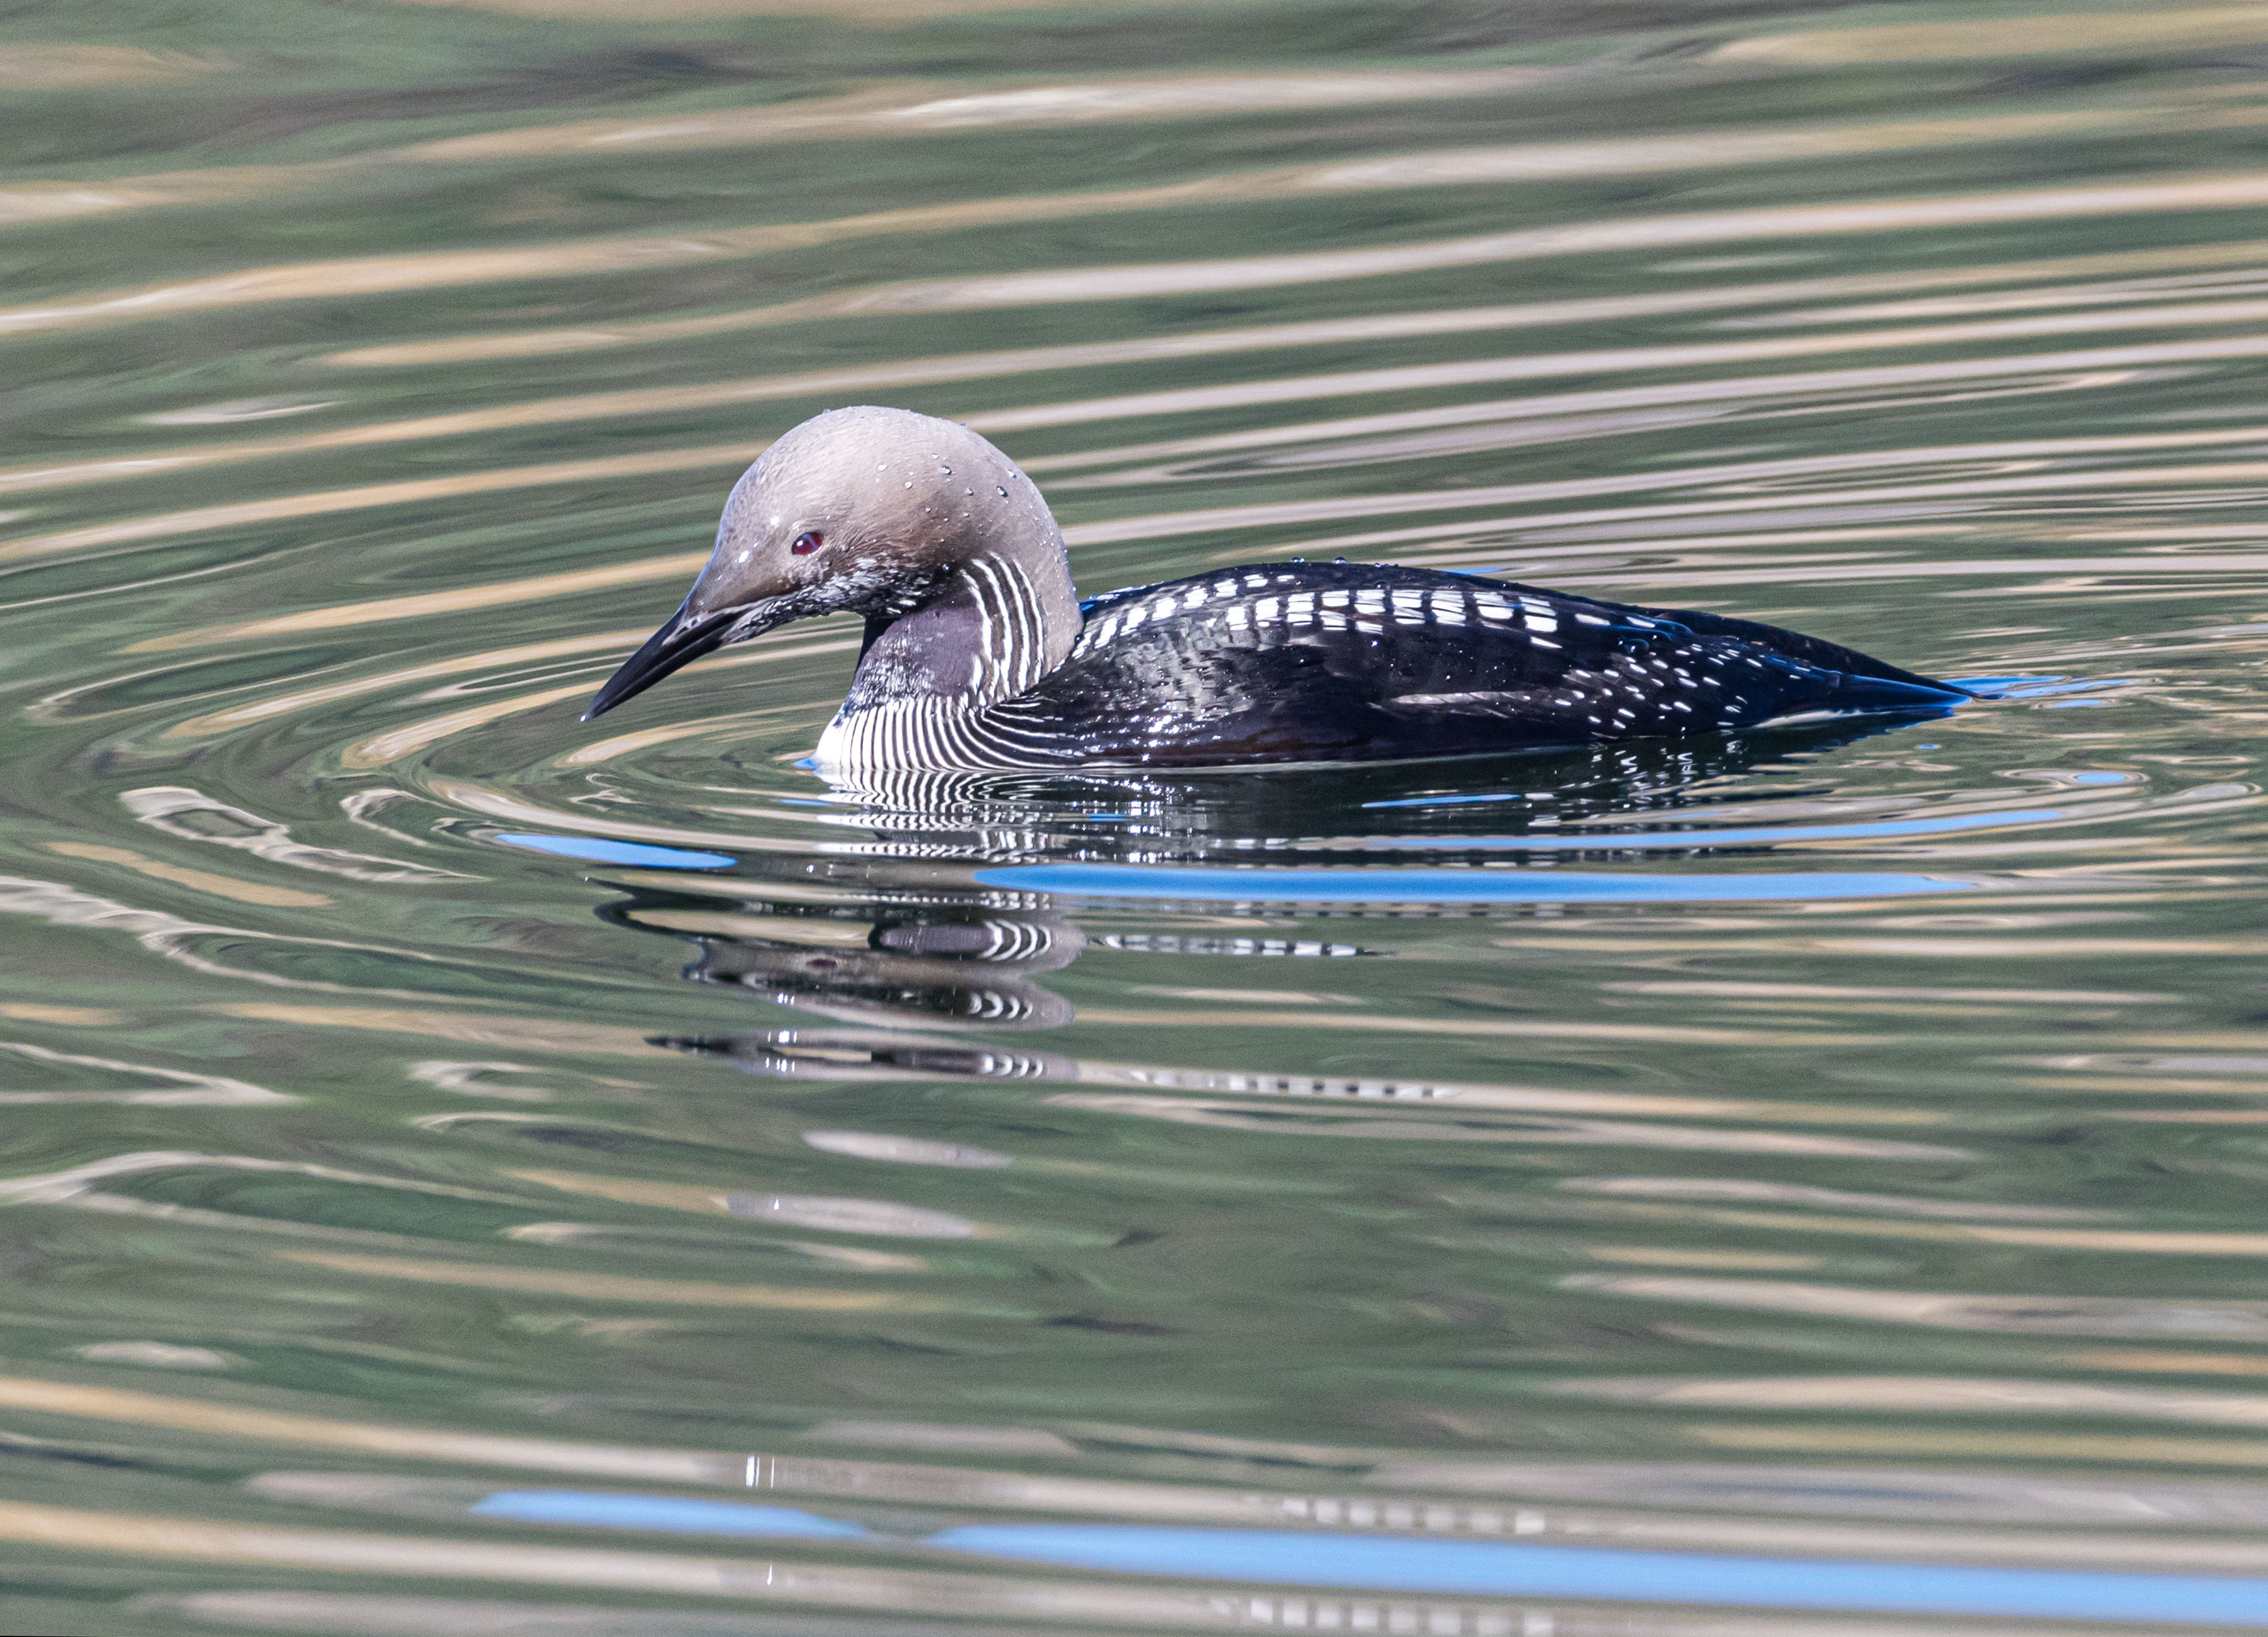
column 979, row 654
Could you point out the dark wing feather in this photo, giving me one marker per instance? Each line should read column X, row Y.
column 1164, row 703
column 1292, row 662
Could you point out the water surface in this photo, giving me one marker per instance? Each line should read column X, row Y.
column 470, row 1170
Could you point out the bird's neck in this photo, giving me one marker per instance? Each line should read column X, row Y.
column 1000, row 624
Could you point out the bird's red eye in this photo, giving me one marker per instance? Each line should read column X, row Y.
column 807, row 543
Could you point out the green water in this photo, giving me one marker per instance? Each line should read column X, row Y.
column 1806, row 1154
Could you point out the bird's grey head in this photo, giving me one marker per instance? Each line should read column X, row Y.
column 865, row 511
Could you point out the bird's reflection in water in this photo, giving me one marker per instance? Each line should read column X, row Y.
column 1135, row 816
column 901, row 940
column 928, row 969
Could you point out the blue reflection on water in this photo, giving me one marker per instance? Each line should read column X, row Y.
column 1445, row 887
column 2036, row 688
column 675, row 1515
column 1471, row 1567
column 598, row 851
column 1761, row 835
column 1466, row 1567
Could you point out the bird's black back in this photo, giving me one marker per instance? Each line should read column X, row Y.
column 1333, row 662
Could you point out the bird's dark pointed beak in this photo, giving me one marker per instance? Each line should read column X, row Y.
column 683, row 638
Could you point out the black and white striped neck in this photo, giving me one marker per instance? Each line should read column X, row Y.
column 995, row 627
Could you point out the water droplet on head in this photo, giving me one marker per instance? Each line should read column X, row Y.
column 944, row 468
column 1003, row 493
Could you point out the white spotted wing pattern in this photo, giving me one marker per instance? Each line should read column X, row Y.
column 1299, row 661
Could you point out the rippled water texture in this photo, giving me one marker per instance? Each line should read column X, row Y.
column 466, row 1171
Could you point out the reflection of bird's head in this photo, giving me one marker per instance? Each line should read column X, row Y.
column 866, row 511
column 932, row 969
column 872, row 1054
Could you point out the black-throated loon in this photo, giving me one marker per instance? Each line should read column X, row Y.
column 979, row 654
